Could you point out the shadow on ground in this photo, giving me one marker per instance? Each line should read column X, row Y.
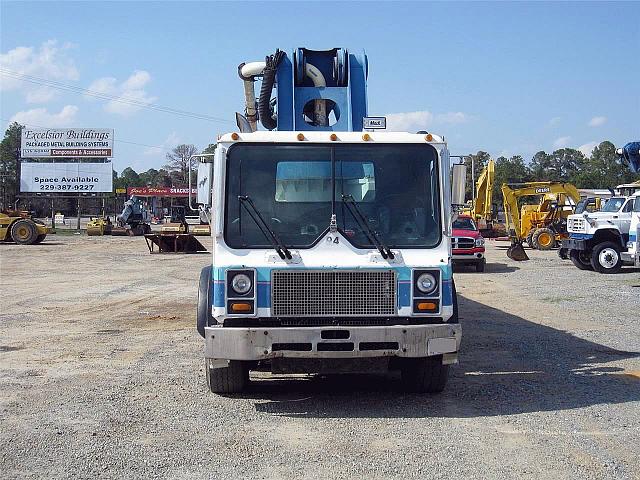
column 489, row 268
column 508, row 365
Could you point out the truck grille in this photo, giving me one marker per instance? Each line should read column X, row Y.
column 575, row 225
column 303, row 293
column 462, row 242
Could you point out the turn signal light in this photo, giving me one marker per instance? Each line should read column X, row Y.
column 427, row 306
column 241, row 307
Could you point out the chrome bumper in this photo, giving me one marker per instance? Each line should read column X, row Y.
column 230, row 343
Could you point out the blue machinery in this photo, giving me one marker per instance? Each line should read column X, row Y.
column 316, row 90
column 631, row 155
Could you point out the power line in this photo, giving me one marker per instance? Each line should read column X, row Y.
column 106, row 96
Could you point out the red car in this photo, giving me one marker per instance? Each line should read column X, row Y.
column 467, row 243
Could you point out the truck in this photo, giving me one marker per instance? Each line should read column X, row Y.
column 331, row 242
column 633, row 245
column 604, row 241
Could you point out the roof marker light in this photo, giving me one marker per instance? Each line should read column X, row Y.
column 300, row 137
column 428, row 137
column 333, row 137
column 235, row 136
column 366, row 137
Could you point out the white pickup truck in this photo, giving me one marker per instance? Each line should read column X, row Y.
column 598, row 241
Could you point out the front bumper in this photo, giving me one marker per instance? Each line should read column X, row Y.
column 471, row 255
column 230, row 343
column 575, row 244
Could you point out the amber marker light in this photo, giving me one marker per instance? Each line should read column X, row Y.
column 241, row 307
column 300, row 136
column 235, row 136
column 428, row 137
column 366, row 137
column 333, row 137
column 427, row 306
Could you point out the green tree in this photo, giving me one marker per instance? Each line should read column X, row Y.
column 509, row 170
column 9, row 168
column 604, row 169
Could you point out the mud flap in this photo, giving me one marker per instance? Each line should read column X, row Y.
column 516, row 252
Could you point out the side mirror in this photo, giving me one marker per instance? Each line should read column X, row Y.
column 458, row 185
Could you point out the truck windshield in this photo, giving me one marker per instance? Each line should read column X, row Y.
column 298, row 188
column 613, row 204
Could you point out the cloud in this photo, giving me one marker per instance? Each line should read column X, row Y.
column 170, row 142
column 554, row 121
column 130, row 90
column 597, row 121
column 420, row 120
column 561, row 142
column 587, row 148
column 49, row 61
column 42, row 118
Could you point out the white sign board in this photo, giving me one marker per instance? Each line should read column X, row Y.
column 67, row 142
column 374, row 123
column 66, row 177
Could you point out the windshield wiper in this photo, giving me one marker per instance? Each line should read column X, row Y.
column 255, row 215
column 371, row 235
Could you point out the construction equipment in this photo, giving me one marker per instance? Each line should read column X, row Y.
column 176, row 236
column 20, row 227
column 99, row 226
column 134, row 219
column 482, row 209
column 331, row 245
column 543, row 224
column 630, row 155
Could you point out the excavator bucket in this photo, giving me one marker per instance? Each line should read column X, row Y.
column 516, row 252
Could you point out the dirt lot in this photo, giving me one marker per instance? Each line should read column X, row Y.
column 101, row 376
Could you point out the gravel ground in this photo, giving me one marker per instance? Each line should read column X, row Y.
column 101, row 377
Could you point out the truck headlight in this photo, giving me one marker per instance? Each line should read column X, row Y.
column 479, row 242
column 241, row 283
column 426, row 283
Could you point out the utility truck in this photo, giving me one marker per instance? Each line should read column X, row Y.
column 331, row 244
column 606, row 240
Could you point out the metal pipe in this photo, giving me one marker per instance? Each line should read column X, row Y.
column 247, row 72
column 319, row 106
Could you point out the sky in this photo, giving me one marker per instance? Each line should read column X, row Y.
column 507, row 78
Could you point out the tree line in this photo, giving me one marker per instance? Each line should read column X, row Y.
column 602, row 169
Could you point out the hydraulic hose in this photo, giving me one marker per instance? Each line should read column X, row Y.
column 268, row 80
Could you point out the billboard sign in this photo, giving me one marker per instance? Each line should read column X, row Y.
column 76, row 177
column 160, row 191
column 66, row 142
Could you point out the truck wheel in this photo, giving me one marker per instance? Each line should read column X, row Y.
column 606, row 258
column 581, row 259
column 24, row 232
column 480, row 267
column 544, row 239
column 231, row 379
column 424, row 375
column 203, row 314
column 40, row 238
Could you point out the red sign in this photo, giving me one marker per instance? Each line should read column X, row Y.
column 160, row 191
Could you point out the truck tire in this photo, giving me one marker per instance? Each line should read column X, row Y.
column 203, row 314
column 40, row 238
column 424, row 375
column 231, row 379
column 606, row 258
column 544, row 239
column 530, row 239
column 24, row 232
column 581, row 259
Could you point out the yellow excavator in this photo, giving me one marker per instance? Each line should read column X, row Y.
column 18, row 226
column 541, row 225
column 481, row 208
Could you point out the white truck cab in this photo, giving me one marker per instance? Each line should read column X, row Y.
column 598, row 240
